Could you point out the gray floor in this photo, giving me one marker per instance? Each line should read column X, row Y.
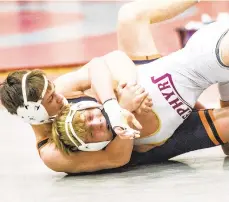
column 196, row 176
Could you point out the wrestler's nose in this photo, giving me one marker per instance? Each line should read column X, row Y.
column 95, row 123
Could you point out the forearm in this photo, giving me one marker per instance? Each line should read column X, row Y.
column 117, row 154
column 101, row 79
column 119, row 151
column 119, row 65
column 106, row 72
column 73, row 82
column 155, row 11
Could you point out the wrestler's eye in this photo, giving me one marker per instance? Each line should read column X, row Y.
column 90, row 117
column 50, row 99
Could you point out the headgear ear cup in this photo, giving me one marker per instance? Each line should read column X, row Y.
column 33, row 112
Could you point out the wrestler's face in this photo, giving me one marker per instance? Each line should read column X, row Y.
column 52, row 101
column 97, row 125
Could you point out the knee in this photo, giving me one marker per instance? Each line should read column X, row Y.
column 225, row 148
column 128, row 14
column 224, row 50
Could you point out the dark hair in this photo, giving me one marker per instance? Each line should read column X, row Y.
column 11, row 89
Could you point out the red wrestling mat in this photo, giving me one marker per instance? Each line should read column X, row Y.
column 38, row 34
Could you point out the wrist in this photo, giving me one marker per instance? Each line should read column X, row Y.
column 114, row 112
column 111, row 106
column 126, row 106
column 108, row 100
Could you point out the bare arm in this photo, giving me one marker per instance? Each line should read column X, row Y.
column 121, row 69
column 110, row 70
column 71, row 83
column 134, row 33
column 103, row 87
column 117, row 154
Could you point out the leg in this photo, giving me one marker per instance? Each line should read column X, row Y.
column 204, row 53
column 224, row 102
column 224, row 50
column 199, row 105
column 134, row 34
column 200, row 130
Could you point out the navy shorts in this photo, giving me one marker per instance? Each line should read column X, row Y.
column 198, row 131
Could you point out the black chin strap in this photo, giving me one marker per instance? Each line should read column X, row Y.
column 108, row 123
column 79, row 99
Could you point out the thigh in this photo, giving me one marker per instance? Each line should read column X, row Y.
column 136, row 40
column 198, row 131
column 203, row 52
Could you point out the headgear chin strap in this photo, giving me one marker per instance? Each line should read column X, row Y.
column 33, row 112
column 68, row 122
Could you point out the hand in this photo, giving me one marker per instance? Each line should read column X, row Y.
column 121, row 120
column 124, row 131
column 146, row 106
column 130, row 96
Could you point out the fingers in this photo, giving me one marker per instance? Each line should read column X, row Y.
column 122, row 133
column 126, row 133
column 139, row 110
column 138, row 89
column 134, row 87
column 131, row 84
column 139, row 98
column 149, row 99
column 124, row 130
column 136, row 123
column 145, row 108
column 122, row 85
column 146, row 105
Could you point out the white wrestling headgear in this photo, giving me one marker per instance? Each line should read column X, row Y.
column 68, row 122
column 33, row 112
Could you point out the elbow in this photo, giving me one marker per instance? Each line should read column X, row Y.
column 51, row 164
column 124, row 162
column 225, row 148
column 53, row 167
